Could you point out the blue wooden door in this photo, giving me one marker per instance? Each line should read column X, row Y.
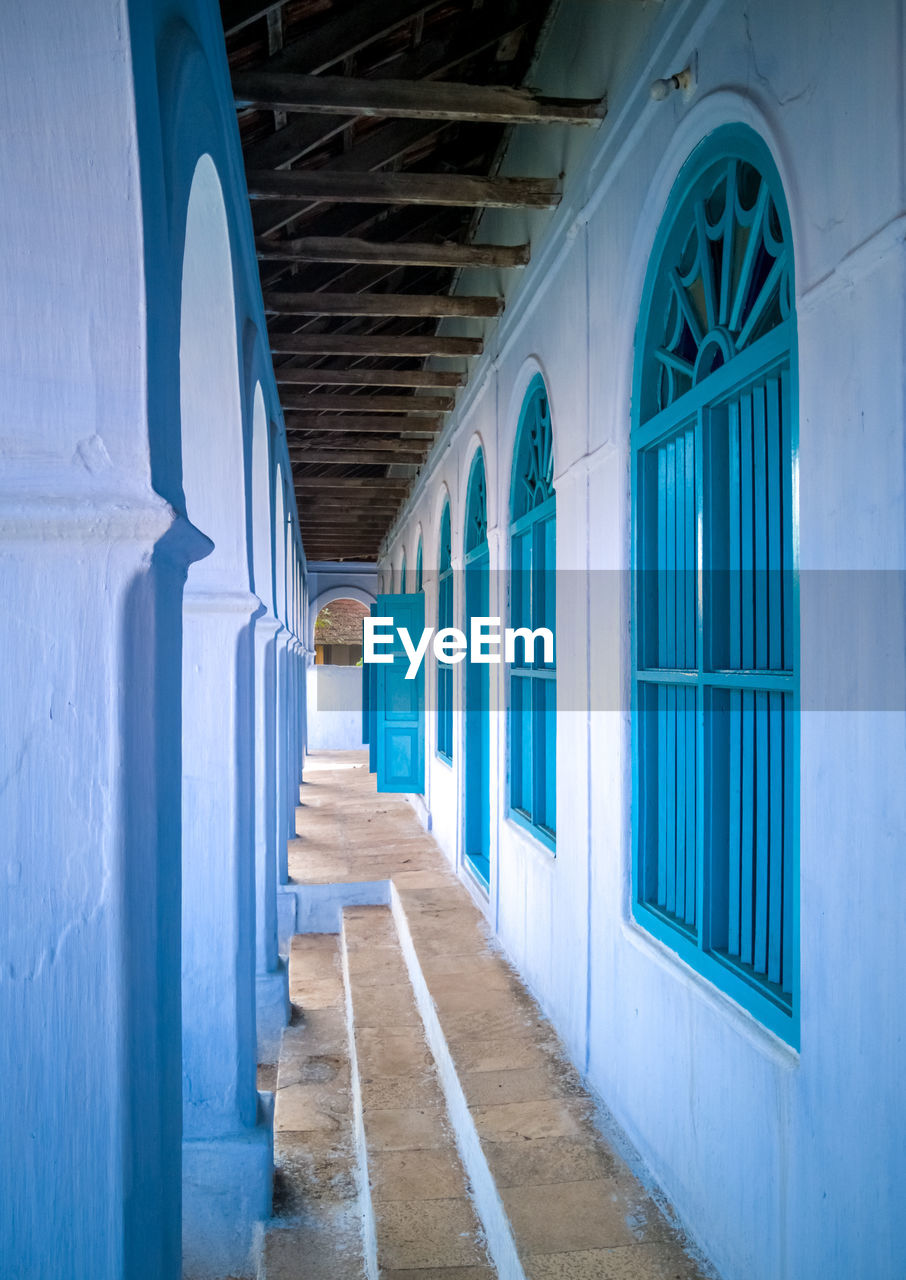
column 369, row 706
column 399, row 726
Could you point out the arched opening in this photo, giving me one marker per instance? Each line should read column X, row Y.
column 477, row 675
column 338, row 633
column 418, row 566
column 715, row 664
column 222, row 1183
column 533, row 680
column 335, row 685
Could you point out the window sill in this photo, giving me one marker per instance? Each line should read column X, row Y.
column 780, row 1045
column 538, row 836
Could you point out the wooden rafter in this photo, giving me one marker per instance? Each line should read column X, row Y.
column 460, row 189
column 379, row 304
column 330, row 344
column 392, row 485
column 410, row 99
column 379, row 422
column 404, row 254
column 410, row 405
column 343, row 458
column 370, row 377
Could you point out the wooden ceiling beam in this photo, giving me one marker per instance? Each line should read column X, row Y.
column 395, row 143
column 409, row 405
column 380, row 304
column 395, row 483
column 354, row 250
column 383, row 444
column 380, row 422
column 347, row 512
column 369, row 377
column 350, row 513
column 338, row 517
column 410, row 99
column 444, row 189
column 331, row 344
column 351, row 458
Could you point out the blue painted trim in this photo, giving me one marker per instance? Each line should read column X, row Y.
column 476, row 816
column 531, row 775
column 764, row 357
column 541, row 834
column 444, row 676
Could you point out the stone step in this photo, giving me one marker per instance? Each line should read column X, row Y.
column 316, row 1231
column 424, row 1218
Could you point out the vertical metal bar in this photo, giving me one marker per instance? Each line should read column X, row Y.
column 747, row 831
column 762, row 831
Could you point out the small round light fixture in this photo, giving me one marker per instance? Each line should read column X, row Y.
column 685, row 81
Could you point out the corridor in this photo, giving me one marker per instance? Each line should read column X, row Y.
column 428, row 1125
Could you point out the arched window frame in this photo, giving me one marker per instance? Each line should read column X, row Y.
column 715, row 657
column 532, row 717
column 418, row 565
column 476, row 679
column 444, row 746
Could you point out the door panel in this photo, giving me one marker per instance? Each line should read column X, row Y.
column 399, row 727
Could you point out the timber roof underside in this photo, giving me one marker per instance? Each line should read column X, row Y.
column 371, row 132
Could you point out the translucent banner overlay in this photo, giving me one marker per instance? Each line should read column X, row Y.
column 827, row 640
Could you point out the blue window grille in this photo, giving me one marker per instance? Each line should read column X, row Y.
column 418, row 566
column 445, row 619
column 715, row 598
column 476, row 727
column 533, row 682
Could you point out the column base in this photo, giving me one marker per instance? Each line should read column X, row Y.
column 286, row 917
column 271, row 1011
column 227, row 1190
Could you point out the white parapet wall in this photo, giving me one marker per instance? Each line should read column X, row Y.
column 334, row 708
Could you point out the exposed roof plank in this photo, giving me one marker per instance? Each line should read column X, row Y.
column 346, row 34
column 370, row 404
column 380, row 304
column 395, row 484
column 384, row 445
column 381, row 422
column 237, row 14
column 452, row 189
column 410, row 99
column 370, row 377
column 351, row 457
column 330, row 344
column 355, row 250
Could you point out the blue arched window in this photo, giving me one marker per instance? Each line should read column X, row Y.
column 418, row 566
column 533, row 681
column 445, row 619
column 403, row 575
column 476, row 726
column 715, row 632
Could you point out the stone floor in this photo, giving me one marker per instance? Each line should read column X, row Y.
column 428, row 1125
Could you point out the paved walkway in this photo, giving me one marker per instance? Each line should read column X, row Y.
column 428, row 1124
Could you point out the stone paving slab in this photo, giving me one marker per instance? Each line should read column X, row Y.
column 424, row 1215
column 316, row 1230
